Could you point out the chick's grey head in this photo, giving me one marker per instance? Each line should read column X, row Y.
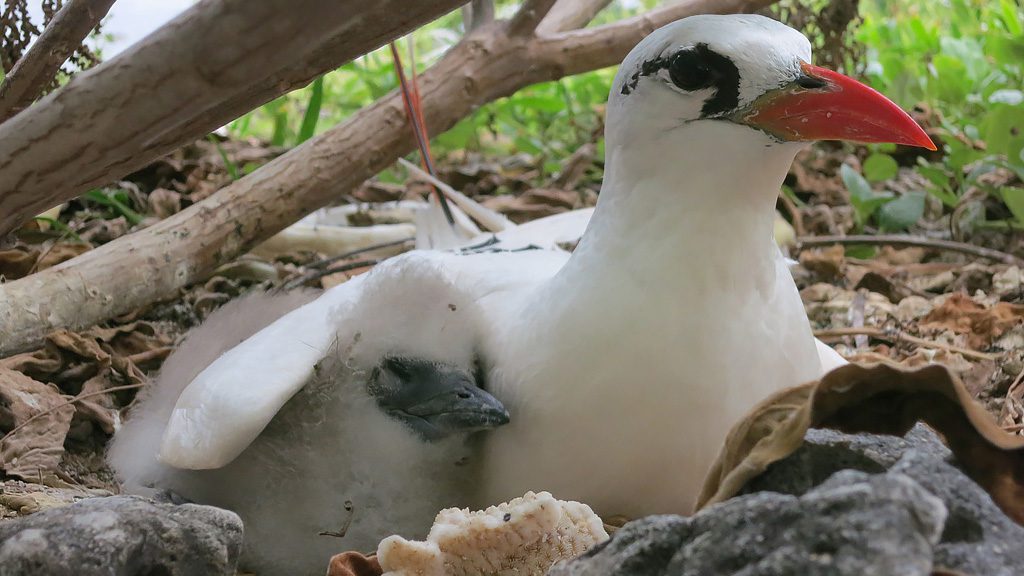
column 413, row 337
column 434, row 399
column 750, row 71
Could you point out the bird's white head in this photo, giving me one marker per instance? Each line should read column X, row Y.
column 745, row 82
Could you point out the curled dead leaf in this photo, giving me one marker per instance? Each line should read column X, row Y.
column 35, row 449
column 354, row 564
column 880, row 399
column 17, row 262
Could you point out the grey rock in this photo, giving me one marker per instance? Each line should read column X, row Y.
column 826, row 452
column 978, row 538
column 122, row 535
column 854, row 524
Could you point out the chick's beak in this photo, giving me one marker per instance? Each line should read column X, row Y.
column 824, row 105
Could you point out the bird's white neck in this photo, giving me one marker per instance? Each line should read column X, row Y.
column 691, row 208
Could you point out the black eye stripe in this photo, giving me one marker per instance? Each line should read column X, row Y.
column 696, row 68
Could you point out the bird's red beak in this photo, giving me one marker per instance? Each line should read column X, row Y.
column 825, row 105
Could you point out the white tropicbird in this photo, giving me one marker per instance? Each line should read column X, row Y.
column 623, row 365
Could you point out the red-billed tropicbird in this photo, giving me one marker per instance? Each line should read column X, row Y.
column 623, row 365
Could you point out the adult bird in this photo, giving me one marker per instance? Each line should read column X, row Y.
column 375, row 443
column 625, row 364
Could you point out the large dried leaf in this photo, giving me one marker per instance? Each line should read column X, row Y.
column 879, row 399
column 35, row 450
column 354, row 564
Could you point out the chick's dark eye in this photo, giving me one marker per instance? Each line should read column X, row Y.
column 689, row 71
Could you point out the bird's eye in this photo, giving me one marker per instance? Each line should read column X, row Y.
column 690, row 71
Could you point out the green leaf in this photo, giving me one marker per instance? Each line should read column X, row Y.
column 1004, row 129
column 864, row 200
column 855, row 183
column 1014, row 199
column 901, row 213
column 232, row 168
column 312, row 115
column 879, row 167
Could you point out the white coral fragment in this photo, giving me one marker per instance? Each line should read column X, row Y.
column 522, row 537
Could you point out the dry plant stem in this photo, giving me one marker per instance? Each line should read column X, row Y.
column 570, row 14
column 154, row 263
column 911, row 242
column 896, row 336
column 795, row 215
column 211, row 64
column 33, row 71
column 74, row 400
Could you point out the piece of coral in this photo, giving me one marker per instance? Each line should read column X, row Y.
column 524, row 537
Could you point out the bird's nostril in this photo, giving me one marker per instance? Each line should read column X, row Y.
column 465, row 395
column 810, row 82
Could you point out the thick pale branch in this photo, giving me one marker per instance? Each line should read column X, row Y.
column 570, row 15
column 216, row 61
column 154, row 263
column 529, row 16
column 33, row 71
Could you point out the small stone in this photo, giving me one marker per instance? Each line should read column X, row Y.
column 122, row 535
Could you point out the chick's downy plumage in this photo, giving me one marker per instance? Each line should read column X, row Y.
column 348, row 452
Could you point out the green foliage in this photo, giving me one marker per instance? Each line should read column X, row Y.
column 117, row 201
column 312, row 115
column 965, row 60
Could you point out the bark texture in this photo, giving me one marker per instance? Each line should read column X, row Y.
column 213, row 63
column 154, row 263
column 33, row 71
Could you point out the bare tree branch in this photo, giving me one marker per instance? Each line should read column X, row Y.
column 55, row 45
column 570, row 15
column 529, row 16
column 477, row 13
column 216, row 61
column 155, row 262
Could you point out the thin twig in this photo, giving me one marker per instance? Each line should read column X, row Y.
column 62, row 36
column 318, row 274
column 910, row 241
column 320, row 264
column 896, row 336
column 525, row 21
column 795, row 215
column 323, row 264
column 74, row 400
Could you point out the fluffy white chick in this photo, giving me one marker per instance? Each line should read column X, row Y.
column 374, row 444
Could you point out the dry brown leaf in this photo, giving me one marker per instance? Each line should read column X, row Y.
column 34, row 451
column 880, row 399
column 164, row 203
column 354, row 564
column 826, row 263
column 61, row 252
column 17, row 262
column 534, row 204
column 980, row 323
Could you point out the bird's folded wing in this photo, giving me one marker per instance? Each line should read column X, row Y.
column 230, row 402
